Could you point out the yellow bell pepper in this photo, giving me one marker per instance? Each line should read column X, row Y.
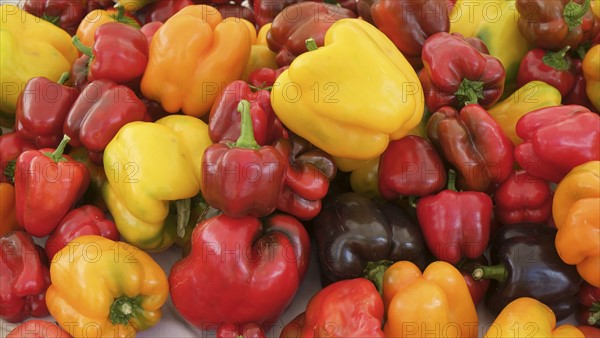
column 351, row 96
column 466, row 15
column 103, row 288
column 152, row 170
column 193, row 56
column 591, row 73
column 29, row 47
column 528, row 317
column 531, row 96
column 260, row 54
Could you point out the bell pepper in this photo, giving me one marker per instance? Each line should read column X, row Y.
column 134, row 5
column 574, row 210
column 554, row 25
column 410, row 166
column 578, row 94
column 359, row 237
column 331, row 112
column 162, row 10
column 236, row 10
column 448, row 81
column 435, row 301
column 477, row 288
column 11, row 146
column 554, row 68
column 526, row 264
column 23, row 278
column 311, row 19
column 47, row 185
column 150, row 29
column 556, row 140
column 143, row 200
column 265, row 11
column 119, row 53
column 65, row 14
column 86, row 31
column 529, row 97
column 246, row 331
column 473, row 143
column 120, row 289
column 102, row 108
column 38, row 328
column 466, row 15
column 268, row 258
column 265, row 77
column 591, row 63
column 8, row 216
column 347, row 308
column 588, row 310
column 243, row 178
column 79, row 71
column 30, row 48
column 42, row 109
column 528, row 317
column 93, row 194
column 261, row 57
column 187, row 73
column 99, row 4
column 408, row 23
column 523, row 198
column 589, row 331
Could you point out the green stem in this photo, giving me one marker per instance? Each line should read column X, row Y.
column 594, row 317
column 469, row 92
column 55, row 20
column 57, row 155
column 120, row 13
column 311, row 44
column 63, row 78
column 81, row 47
column 374, row 272
column 9, row 171
column 246, row 139
column 451, row 180
column 183, row 208
column 573, row 13
column 557, row 60
column 123, row 308
column 497, row 272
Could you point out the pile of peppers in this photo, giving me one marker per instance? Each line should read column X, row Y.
column 432, row 163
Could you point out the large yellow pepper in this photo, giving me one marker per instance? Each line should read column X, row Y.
column 193, row 56
column 29, row 47
column 466, row 15
column 152, row 169
column 577, row 218
column 351, row 96
column 591, row 73
column 528, row 317
column 103, row 288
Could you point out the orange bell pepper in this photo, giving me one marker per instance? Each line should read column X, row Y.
column 8, row 218
column 433, row 303
column 575, row 212
column 193, row 56
column 97, row 17
column 528, row 317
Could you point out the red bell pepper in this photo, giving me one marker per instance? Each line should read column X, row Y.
column 66, row 14
column 85, row 220
column 23, row 278
column 265, row 11
column 410, row 166
column 101, row 109
column 162, row 10
column 523, row 198
column 589, row 331
column 243, row 178
column 578, row 94
column 588, row 311
column 42, row 109
column 473, row 143
column 346, row 308
column 246, row 331
column 11, row 146
column 38, row 328
column 554, row 68
column 47, row 186
column 456, row 74
column 556, row 140
column 120, row 53
column 264, row 78
column 240, row 270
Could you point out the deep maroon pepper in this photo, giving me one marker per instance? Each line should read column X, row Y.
column 162, row 10
column 232, row 10
column 11, row 146
column 66, row 14
column 265, row 11
column 99, row 4
column 554, row 68
column 262, row 78
column 588, row 311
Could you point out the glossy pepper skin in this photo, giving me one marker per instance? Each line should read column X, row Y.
column 473, row 143
column 310, row 20
column 187, row 73
column 119, row 53
column 47, row 185
column 65, row 14
column 11, row 146
column 347, row 308
column 120, row 290
column 591, row 63
column 23, row 278
column 240, row 270
column 554, row 68
column 523, row 198
column 528, row 317
column 525, row 264
column 446, row 79
column 427, row 302
column 8, row 216
column 38, row 328
column 243, row 178
column 557, row 139
column 355, row 235
column 556, row 24
column 574, row 210
column 337, row 122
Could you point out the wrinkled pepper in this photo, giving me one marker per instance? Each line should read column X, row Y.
column 187, row 73
column 575, row 214
column 65, row 14
column 86, row 31
column 591, row 64
column 331, row 113
column 8, row 215
column 554, row 68
column 121, row 289
column 11, row 146
column 38, row 328
column 588, row 310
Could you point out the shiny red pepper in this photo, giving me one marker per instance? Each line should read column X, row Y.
column 47, row 186
column 11, row 146
column 556, row 140
column 263, row 78
column 42, row 109
column 554, row 68
column 66, row 14
column 162, row 10
column 455, row 73
column 588, row 311
column 23, row 278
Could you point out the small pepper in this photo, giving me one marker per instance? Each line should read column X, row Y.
column 588, row 311
column 554, row 68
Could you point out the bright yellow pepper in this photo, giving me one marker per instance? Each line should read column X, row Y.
column 351, row 96
column 30, row 47
column 103, row 288
column 152, row 170
column 591, row 73
column 260, row 54
column 466, row 15
column 528, row 317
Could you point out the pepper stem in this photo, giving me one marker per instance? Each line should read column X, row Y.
column 183, row 208
column 469, row 92
column 55, row 20
column 57, row 155
column 246, row 139
column 374, row 272
column 497, row 272
column 311, row 44
column 9, row 171
column 123, row 308
column 63, row 78
column 81, row 47
column 594, row 317
column 573, row 13
column 557, row 60
column 120, row 12
column 451, row 180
